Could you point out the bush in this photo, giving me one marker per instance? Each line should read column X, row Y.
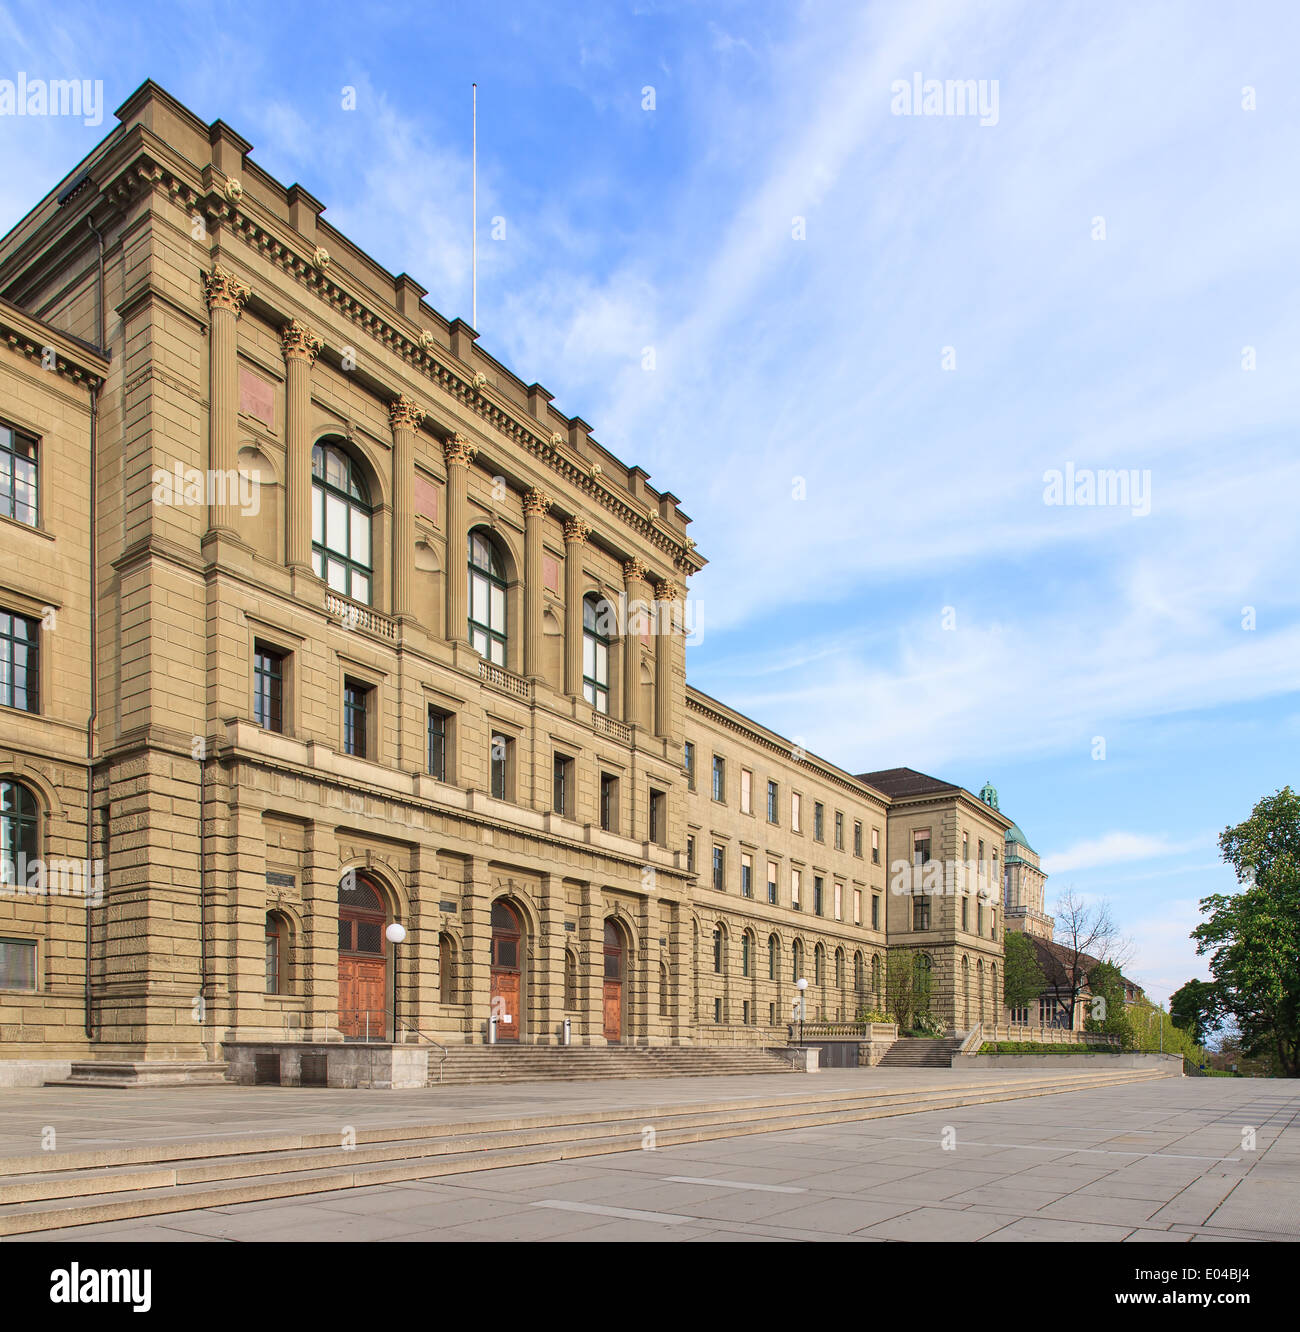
column 873, row 1015
column 1034, row 1047
column 925, row 1025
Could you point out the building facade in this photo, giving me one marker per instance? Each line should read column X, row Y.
column 350, row 674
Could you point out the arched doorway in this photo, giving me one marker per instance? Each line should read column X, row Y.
column 615, row 967
column 363, row 960
column 507, row 971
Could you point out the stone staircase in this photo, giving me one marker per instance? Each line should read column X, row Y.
column 915, row 1052
column 42, row 1192
column 467, row 1064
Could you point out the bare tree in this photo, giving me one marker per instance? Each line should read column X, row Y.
column 1087, row 934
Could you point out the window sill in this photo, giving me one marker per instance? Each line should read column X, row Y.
column 39, row 530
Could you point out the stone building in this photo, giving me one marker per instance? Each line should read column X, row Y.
column 350, row 675
column 1024, row 884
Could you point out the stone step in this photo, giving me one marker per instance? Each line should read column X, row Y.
column 143, row 1073
column 466, row 1065
column 112, row 1184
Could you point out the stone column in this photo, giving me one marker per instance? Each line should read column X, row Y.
column 576, row 533
column 591, row 966
column 476, row 985
column 320, row 942
column 633, row 591
column 536, row 504
column 419, row 1002
column 645, row 987
column 226, row 298
column 459, row 452
column 404, row 417
column 301, row 347
column 668, row 623
column 547, row 979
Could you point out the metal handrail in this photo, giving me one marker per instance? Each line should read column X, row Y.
column 388, row 1012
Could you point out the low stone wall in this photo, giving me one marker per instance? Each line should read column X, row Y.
column 33, row 1072
column 1049, row 1036
column 352, row 1065
column 876, row 1046
column 1037, row 1062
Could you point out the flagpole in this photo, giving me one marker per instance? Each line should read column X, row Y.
column 474, row 243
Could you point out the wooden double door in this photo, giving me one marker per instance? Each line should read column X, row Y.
column 363, row 961
column 507, row 971
column 613, row 995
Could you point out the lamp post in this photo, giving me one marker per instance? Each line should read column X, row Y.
column 802, row 985
column 395, row 933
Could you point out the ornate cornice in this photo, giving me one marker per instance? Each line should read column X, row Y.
column 459, row 450
column 404, row 414
column 224, row 291
column 536, row 502
column 576, row 530
column 298, row 342
column 245, row 220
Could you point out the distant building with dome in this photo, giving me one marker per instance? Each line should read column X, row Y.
column 1023, row 880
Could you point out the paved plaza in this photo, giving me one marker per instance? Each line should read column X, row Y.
column 1164, row 1161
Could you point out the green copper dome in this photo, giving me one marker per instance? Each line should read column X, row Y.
column 1015, row 835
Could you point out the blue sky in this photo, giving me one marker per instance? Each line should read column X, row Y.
column 855, row 496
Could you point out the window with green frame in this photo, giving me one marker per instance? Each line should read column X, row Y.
column 341, row 523
column 19, row 477
column 596, row 615
column 487, row 598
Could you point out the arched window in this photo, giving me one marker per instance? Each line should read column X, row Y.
column 361, row 916
column 875, row 976
column 596, row 616
column 717, row 951
column 487, row 598
column 663, row 989
column 744, row 953
column 773, row 954
column 857, row 973
column 18, row 831
column 570, row 979
column 819, row 956
column 278, row 980
column 341, row 515
column 922, row 978
column 839, row 968
column 446, row 969
column 796, row 959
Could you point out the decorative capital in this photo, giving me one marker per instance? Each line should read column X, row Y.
column 403, row 414
column 223, row 291
column 459, row 450
column 667, row 590
column 297, row 341
column 634, row 571
column 536, row 502
column 576, row 530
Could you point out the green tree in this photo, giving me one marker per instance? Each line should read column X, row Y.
column 1023, row 979
column 1253, row 936
column 1195, row 1008
column 901, row 996
column 1106, row 1011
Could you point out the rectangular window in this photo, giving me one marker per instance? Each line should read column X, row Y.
column 717, row 1010
column 609, row 802
column 979, row 917
column 819, row 821
column 965, row 848
column 356, row 707
column 747, row 876
column 771, row 881
column 720, row 868
column 719, row 777
column 501, row 765
column 993, row 923
column 839, row 901
column 875, row 846
column 690, row 766
column 839, row 831
column 268, row 687
column 979, row 864
column 17, row 964
column 796, row 882
column 857, row 906
column 772, row 807
column 818, row 887
column 18, row 476
column 744, row 1004
column 690, row 855
column 746, row 791
column 796, row 804
column 965, row 913
column 857, row 838
column 438, row 744
column 658, row 824
column 875, row 911
column 993, row 874
column 562, row 785
column 921, row 846
column 921, row 912
column 19, row 662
